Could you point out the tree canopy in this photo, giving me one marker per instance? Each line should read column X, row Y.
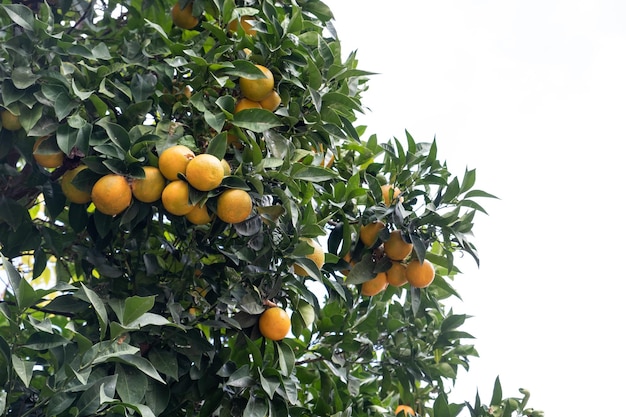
column 135, row 285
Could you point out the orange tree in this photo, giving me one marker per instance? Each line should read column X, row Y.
column 229, row 277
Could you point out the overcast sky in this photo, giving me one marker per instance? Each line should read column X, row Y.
column 533, row 95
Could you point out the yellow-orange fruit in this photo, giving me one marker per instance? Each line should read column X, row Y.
column 271, row 101
column 274, row 323
column 369, row 233
column 318, row 257
column 244, row 103
column 234, row 206
column 404, row 411
column 174, row 160
column 183, row 18
column 375, row 285
column 390, row 196
column 73, row 193
column 149, row 188
column 10, row 121
column 256, row 89
column 111, row 194
column 199, row 215
column 205, row 172
column 396, row 248
column 226, row 167
column 175, row 198
column 396, row 275
column 244, row 22
column 47, row 158
column 420, row 275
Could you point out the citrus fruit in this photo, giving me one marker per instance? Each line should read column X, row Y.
column 244, row 22
column 73, row 193
column 226, row 167
column 47, row 155
column 317, row 257
column 271, row 101
column 420, row 275
column 396, row 248
column 174, row 160
column 111, row 194
column 404, row 411
column 199, row 215
column 175, row 198
column 348, row 259
column 183, row 18
column 10, row 121
column 375, row 285
column 396, row 275
column 388, row 197
column 234, row 206
column 244, row 103
column 369, row 233
column 149, row 188
column 274, row 323
column 205, row 172
column 256, row 89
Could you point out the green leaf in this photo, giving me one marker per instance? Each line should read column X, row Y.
column 45, row 341
column 163, row 362
column 131, row 383
column 100, row 309
column 256, row 120
column 496, row 396
column 116, row 133
column 89, row 402
column 143, row 86
column 256, row 407
column 23, row 369
column 312, row 173
column 25, row 295
column 135, row 307
column 440, row 407
column 21, row 15
column 23, row 77
column 140, row 363
column 286, row 358
column 157, row 397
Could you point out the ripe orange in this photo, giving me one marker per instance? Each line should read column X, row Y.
column 258, row 88
column 396, row 248
column 244, row 22
column 205, row 172
column 317, row 257
column 149, row 188
column 175, row 198
column 47, row 156
column 420, row 275
column 174, row 160
column 396, row 275
column 234, row 206
column 184, row 18
column 369, row 233
column 274, row 323
column 226, row 167
column 199, row 215
column 111, row 194
column 390, row 198
column 375, row 285
column 404, row 411
column 10, row 121
column 271, row 101
column 244, row 103
column 73, row 193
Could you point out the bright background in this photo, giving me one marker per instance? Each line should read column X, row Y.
column 531, row 93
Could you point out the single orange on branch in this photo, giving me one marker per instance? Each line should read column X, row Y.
column 274, row 323
column 420, row 274
column 256, row 89
column 404, row 411
column 184, row 18
column 174, row 160
column 111, row 194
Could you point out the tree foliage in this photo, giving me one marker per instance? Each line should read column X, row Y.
column 147, row 313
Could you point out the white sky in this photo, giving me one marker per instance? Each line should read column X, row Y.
column 533, row 95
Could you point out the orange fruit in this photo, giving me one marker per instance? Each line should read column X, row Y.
column 199, row 215
column 317, row 257
column 47, row 156
column 111, row 194
column 234, row 206
column 244, row 22
column 149, row 188
column 271, row 101
column 175, row 198
column 396, row 275
column 404, row 411
column 390, row 198
column 369, row 233
column 73, row 193
column 274, row 323
column 420, row 275
column 184, row 18
column 375, row 285
column 244, row 103
column 226, row 167
column 10, row 121
column 348, row 259
column 256, row 89
column 396, row 248
column 205, row 172
column 174, row 160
